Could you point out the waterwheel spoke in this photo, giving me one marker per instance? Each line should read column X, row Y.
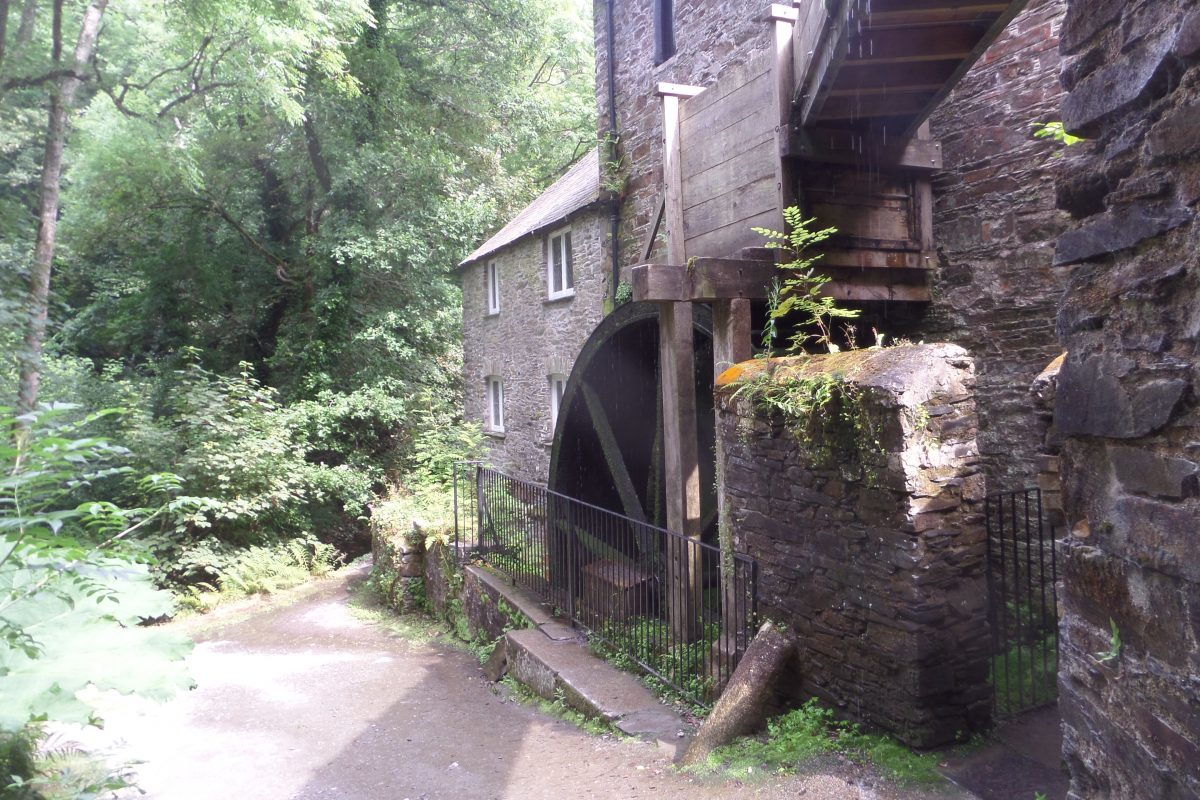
column 612, row 455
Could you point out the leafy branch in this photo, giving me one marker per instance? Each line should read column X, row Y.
column 802, row 288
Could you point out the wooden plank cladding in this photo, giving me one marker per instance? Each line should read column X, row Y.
column 729, row 158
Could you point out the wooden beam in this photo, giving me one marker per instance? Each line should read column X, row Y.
column 904, row 46
column 825, row 63
column 703, row 280
column 895, row 13
column 672, row 179
column 841, row 146
column 925, row 75
column 997, row 27
column 781, row 13
column 678, row 90
column 895, row 293
column 617, row 469
column 807, row 33
column 858, row 275
column 681, row 460
column 851, row 258
column 889, row 105
column 653, row 237
column 732, row 342
column 783, row 83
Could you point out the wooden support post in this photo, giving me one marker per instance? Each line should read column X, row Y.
column 677, row 363
column 783, row 18
column 731, row 333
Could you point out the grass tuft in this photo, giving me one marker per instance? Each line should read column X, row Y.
column 803, row 734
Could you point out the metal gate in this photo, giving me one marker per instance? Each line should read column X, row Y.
column 1022, row 573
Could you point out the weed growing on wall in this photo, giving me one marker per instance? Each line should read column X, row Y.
column 801, row 290
column 826, row 414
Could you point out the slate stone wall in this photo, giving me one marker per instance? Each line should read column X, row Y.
column 1126, row 398
column 879, row 573
column 710, row 36
column 995, row 287
column 530, row 339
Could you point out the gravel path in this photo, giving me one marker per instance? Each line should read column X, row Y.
column 306, row 699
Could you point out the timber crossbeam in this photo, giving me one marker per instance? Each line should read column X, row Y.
column 710, row 280
column 703, row 280
column 840, row 146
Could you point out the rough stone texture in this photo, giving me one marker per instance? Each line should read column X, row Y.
column 995, row 222
column 1126, row 401
column 529, row 340
column 881, row 577
column 710, row 37
column 403, row 557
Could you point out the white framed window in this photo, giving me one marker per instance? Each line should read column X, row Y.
column 558, row 386
column 560, row 272
column 492, row 277
column 495, row 402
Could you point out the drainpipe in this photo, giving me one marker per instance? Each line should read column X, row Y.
column 615, row 211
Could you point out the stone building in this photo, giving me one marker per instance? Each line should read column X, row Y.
column 532, row 294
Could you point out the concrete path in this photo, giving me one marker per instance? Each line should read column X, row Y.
column 308, row 700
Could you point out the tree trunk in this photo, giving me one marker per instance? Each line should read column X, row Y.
column 3, row 31
column 62, row 98
column 28, row 20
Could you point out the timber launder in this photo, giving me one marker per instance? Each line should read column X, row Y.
column 829, row 116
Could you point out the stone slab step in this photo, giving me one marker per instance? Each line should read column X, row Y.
column 526, row 602
column 594, row 687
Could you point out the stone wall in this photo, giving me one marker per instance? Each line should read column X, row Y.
column 529, row 340
column 995, row 288
column 1126, row 398
column 879, row 570
column 709, row 37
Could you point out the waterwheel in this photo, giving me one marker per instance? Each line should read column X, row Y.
column 608, row 441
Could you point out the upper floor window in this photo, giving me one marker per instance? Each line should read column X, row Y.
column 558, row 387
column 560, row 277
column 493, row 288
column 664, row 30
column 495, row 401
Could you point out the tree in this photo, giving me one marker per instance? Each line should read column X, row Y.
column 260, row 48
column 65, row 84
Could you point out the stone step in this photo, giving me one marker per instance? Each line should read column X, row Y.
column 589, row 684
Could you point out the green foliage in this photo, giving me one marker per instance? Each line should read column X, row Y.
column 614, row 171
column 1055, row 132
column 260, row 569
column 801, row 289
column 624, row 293
column 67, row 772
column 73, row 594
column 811, row 731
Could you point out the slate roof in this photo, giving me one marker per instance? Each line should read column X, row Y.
column 578, row 188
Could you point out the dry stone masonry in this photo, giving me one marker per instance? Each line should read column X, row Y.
column 1126, row 398
column 879, row 570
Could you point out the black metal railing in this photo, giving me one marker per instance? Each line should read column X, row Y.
column 1022, row 572
column 671, row 605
